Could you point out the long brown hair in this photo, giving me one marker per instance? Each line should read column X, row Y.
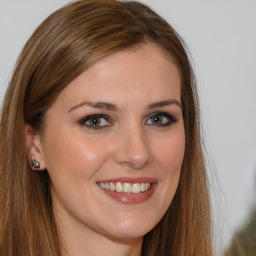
column 68, row 42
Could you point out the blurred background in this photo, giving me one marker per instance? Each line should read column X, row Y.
column 221, row 36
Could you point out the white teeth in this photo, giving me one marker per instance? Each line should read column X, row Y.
column 112, row 186
column 142, row 187
column 119, row 187
column 136, row 188
column 126, row 187
column 102, row 185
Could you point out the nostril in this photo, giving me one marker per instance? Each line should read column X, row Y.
column 135, row 160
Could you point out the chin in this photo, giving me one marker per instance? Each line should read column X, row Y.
column 130, row 229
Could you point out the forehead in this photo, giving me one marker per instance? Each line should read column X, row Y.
column 145, row 71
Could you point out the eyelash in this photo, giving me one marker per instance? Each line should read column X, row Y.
column 170, row 119
column 88, row 118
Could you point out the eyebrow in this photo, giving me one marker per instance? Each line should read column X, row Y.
column 99, row 105
column 165, row 103
column 113, row 107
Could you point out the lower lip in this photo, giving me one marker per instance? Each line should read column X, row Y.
column 131, row 198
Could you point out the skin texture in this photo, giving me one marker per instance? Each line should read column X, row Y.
column 127, row 144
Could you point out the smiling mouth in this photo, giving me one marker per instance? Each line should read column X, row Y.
column 126, row 187
column 129, row 190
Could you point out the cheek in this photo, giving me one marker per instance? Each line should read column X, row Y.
column 169, row 160
column 171, row 152
column 74, row 155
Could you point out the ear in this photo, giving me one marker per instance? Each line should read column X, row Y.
column 34, row 148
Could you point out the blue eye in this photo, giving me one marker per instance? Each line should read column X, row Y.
column 95, row 121
column 161, row 119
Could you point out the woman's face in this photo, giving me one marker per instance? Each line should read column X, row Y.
column 113, row 144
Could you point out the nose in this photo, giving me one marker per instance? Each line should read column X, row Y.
column 132, row 149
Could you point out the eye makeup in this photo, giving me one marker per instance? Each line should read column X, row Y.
column 100, row 121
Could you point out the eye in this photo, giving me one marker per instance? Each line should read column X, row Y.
column 161, row 119
column 97, row 121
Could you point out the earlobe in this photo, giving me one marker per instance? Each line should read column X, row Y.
column 35, row 164
column 34, row 149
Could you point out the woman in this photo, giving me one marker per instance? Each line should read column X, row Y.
column 100, row 142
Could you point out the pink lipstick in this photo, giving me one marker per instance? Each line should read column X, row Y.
column 129, row 190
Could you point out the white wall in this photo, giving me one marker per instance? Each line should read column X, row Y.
column 221, row 35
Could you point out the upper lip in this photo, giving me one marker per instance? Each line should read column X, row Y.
column 130, row 180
